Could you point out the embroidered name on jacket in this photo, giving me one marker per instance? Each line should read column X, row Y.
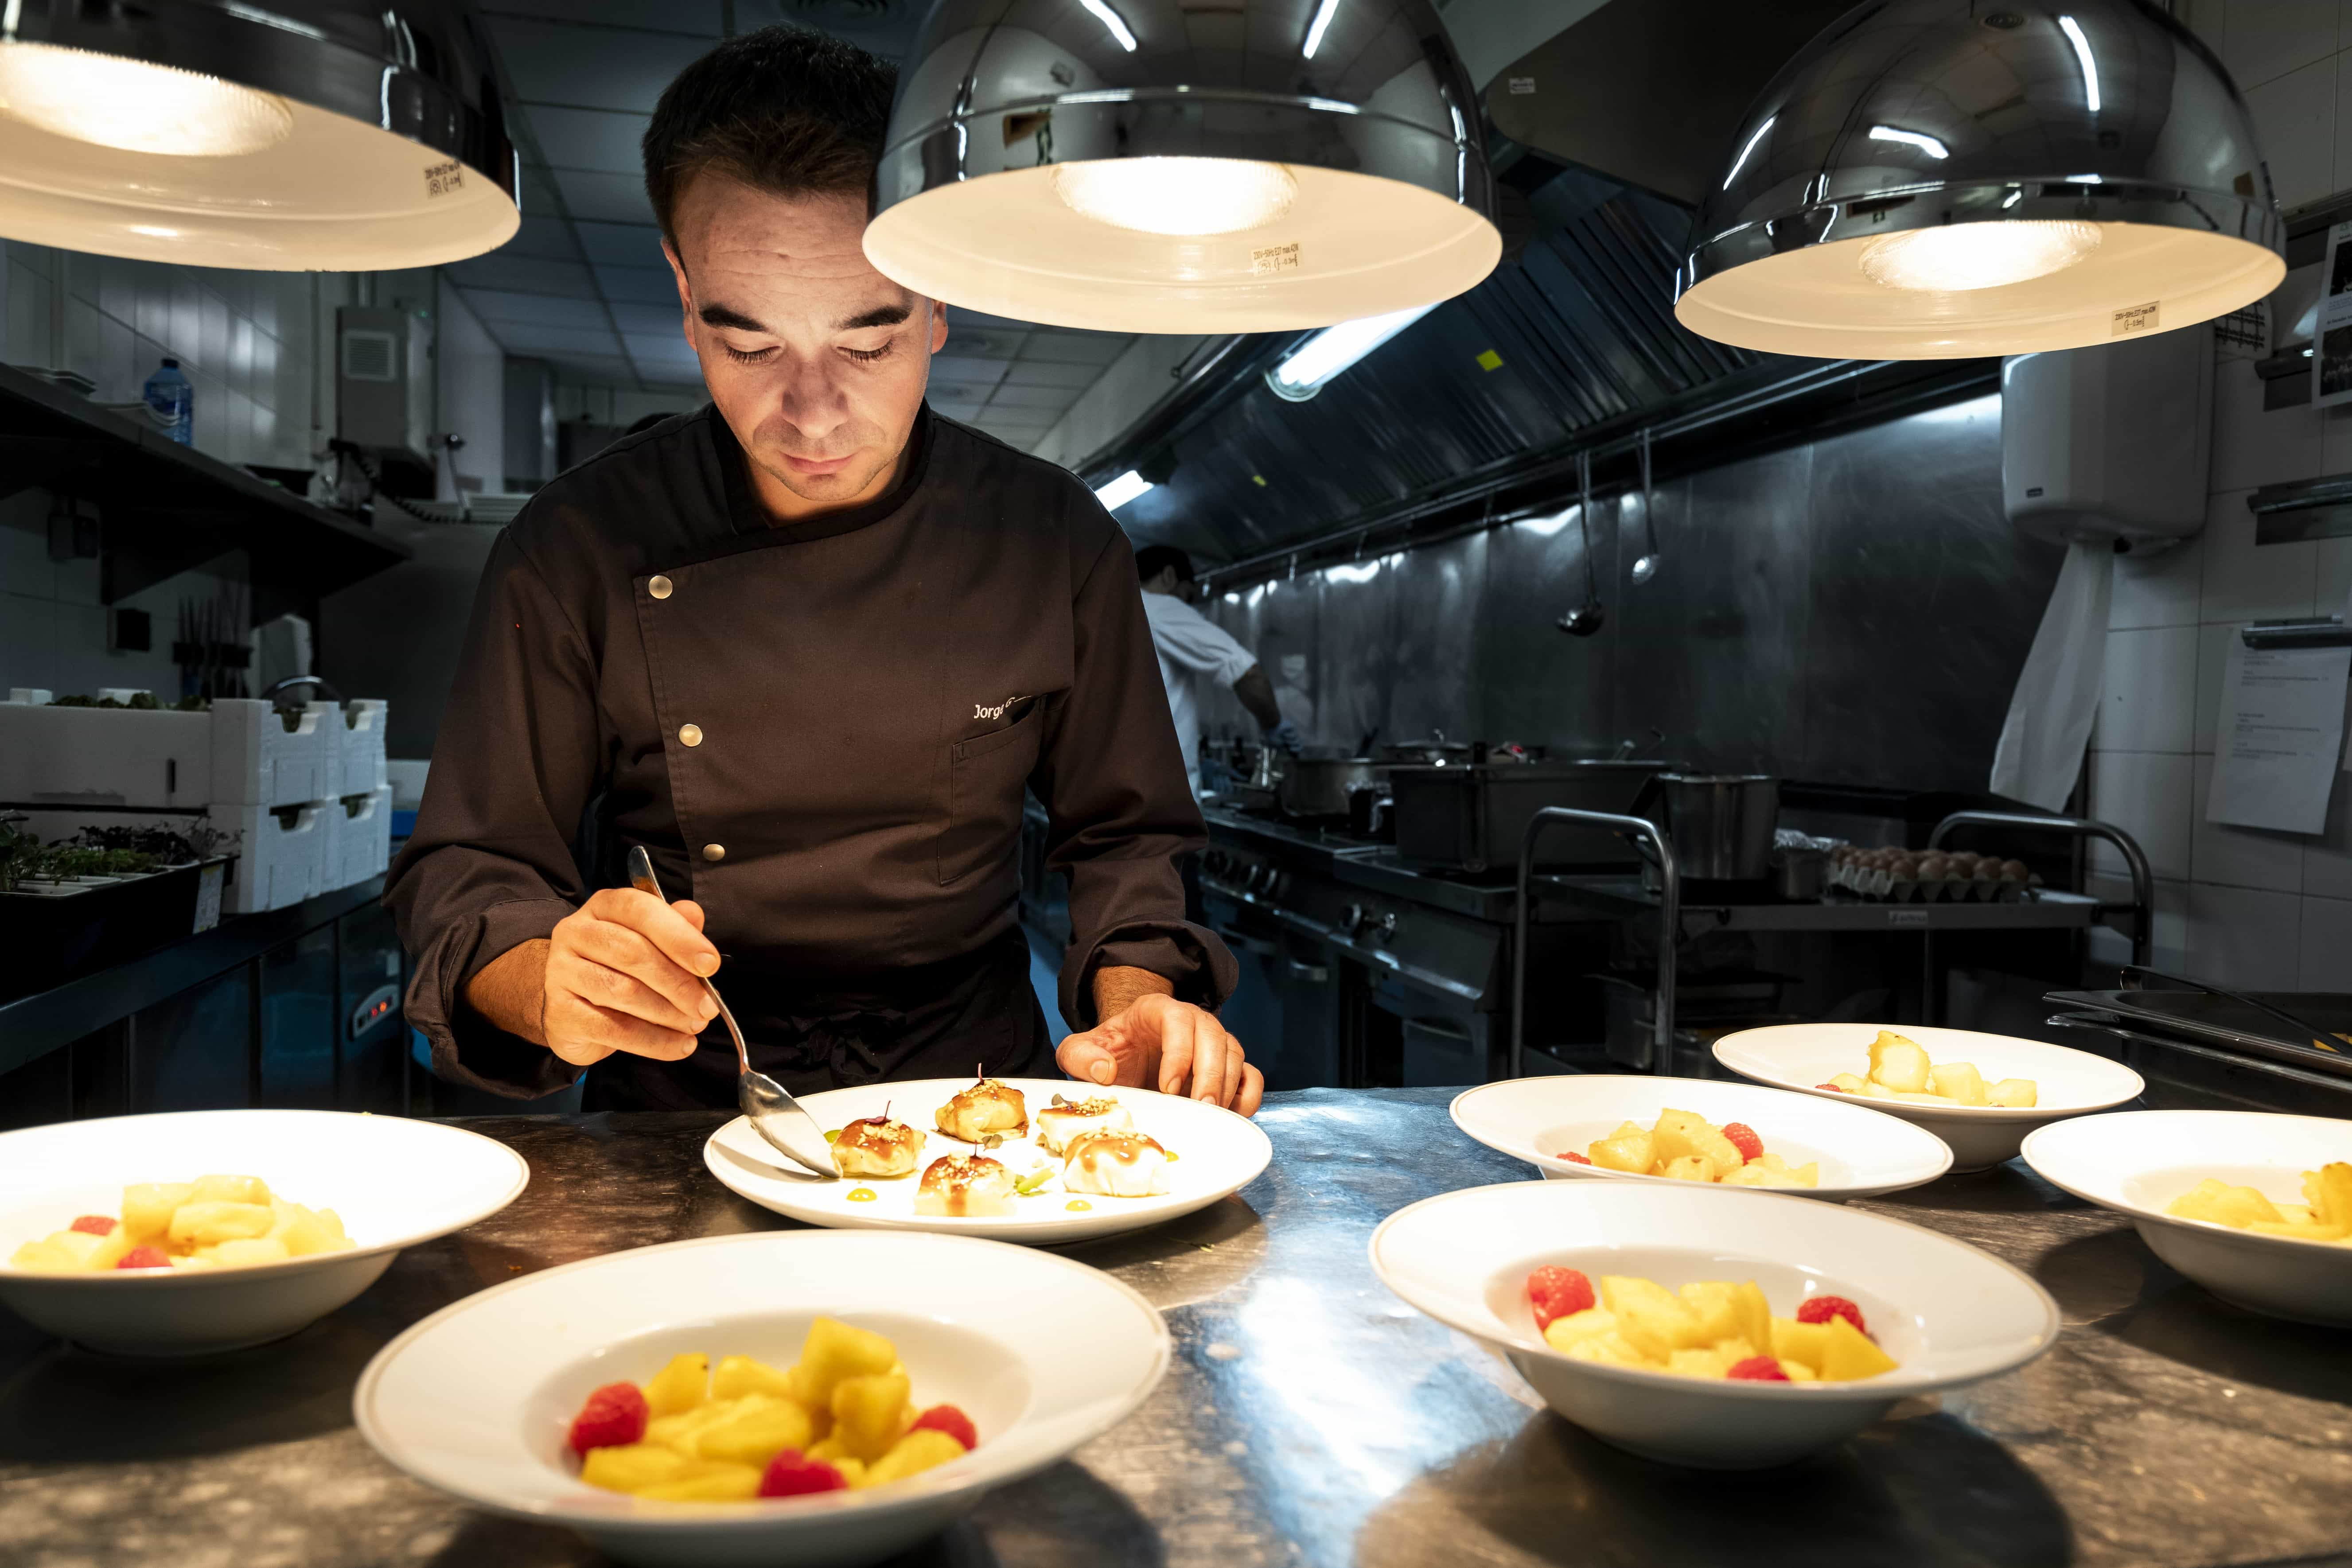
column 981, row 711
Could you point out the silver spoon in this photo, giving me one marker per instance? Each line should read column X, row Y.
column 766, row 1104
column 1647, row 567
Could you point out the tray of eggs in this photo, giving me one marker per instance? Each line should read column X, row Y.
column 1905, row 875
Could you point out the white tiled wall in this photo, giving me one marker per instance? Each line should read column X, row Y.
column 2292, row 61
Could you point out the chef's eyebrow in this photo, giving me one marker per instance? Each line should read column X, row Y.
column 881, row 315
column 720, row 316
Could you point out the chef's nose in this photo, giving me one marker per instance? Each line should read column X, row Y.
column 815, row 403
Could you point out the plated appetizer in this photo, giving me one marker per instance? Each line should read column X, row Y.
column 837, row 1419
column 2325, row 1216
column 876, row 1146
column 1899, row 1069
column 1711, row 1328
column 213, row 1222
column 1686, row 1146
column 987, row 1114
column 1065, row 1120
column 965, row 1184
column 1115, row 1165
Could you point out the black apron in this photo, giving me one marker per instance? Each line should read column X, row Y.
column 962, row 1017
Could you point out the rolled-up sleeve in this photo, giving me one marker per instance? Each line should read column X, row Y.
column 490, row 865
column 1121, row 811
column 1189, row 639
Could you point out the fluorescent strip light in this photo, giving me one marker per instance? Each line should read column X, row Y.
column 2011, row 199
column 1742, row 161
column 1334, row 349
column 1122, row 489
column 2073, row 31
column 1315, row 28
column 1924, row 142
column 1111, row 18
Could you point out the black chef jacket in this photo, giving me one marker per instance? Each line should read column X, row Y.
column 821, row 731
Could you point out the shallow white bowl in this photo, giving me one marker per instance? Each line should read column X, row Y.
column 1803, row 1057
column 2138, row 1162
column 1861, row 1151
column 393, row 1182
column 1950, row 1314
column 1042, row 1352
column 1219, row 1152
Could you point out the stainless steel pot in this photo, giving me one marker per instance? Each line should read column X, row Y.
column 1721, row 824
column 1319, row 786
column 1471, row 819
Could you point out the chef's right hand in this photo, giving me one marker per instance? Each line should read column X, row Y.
column 623, row 975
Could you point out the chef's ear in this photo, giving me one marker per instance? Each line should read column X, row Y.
column 685, row 294
column 938, row 325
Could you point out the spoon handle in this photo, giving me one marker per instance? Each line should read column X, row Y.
column 642, row 877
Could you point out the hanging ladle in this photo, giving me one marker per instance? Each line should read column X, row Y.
column 1647, row 567
column 1585, row 619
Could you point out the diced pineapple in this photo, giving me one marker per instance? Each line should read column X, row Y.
column 148, row 1207
column 1847, row 1353
column 1900, row 1064
column 245, row 1252
column 2329, row 1190
column 1562, row 1333
column 911, row 1454
column 205, row 1222
column 1798, row 1372
column 852, row 1471
column 305, row 1232
column 333, row 1222
column 1711, row 1303
column 2299, row 1230
column 868, row 1414
column 832, row 1351
column 83, row 1248
column 1610, row 1350
column 2014, row 1094
column 194, row 1262
column 632, row 1467
column 1808, row 1174
column 2218, row 1203
column 1678, row 1134
column 707, row 1480
column 1688, row 1168
column 1851, row 1082
column 741, row 1375
column 1806, row 1342
column 1703, row 1361
column 42, row 1259
column 1752, row 1313
column 683, row 1429
column 761, row 1426
column 1877, row 1091
column 1752, row 1174
column 1630, row 1152
column 1653, row 1321
column 827, row 1450
column 681, row 1385
column 230, row 1190
column 1959, row 1080
column 1923, row 1097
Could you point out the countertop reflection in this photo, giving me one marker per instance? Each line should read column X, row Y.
column 1309, row 1417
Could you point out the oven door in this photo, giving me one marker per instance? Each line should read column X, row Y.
column 1285, row 1009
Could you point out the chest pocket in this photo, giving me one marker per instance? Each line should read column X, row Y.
column 985, row 778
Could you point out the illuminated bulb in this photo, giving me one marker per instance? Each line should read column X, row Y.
column 137, row 107
column 1966, row 256
column 1186, row 197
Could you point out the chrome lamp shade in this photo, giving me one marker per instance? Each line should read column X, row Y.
column 1149, row 166
column 1934, row 179
column 330, row 135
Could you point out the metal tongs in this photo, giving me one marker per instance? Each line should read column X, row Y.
column 766, row 1104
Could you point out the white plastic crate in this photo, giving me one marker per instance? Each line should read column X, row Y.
column 283, row 853
column 361, row 829
column 102, row 757
column 264, row 757
column 362, row 755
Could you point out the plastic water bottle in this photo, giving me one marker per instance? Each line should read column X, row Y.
column 171, row 399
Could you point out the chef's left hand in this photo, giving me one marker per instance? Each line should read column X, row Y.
column 1158, row 1042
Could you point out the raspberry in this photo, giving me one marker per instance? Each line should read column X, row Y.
column 1830, row 1087
column 1557, row 1293
column 947, row 1419
column 1743, row 1138
column 1821, row 1308
column 613, row 1415
column 95, row 1224
column 1576, row 1159
column 1757, row 1369
column 145, row 1257
column 793, row 1474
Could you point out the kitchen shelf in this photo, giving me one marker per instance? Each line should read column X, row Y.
column 1619, row 898
column 164, row 507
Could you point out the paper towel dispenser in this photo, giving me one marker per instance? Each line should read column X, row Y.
column 2112, row 442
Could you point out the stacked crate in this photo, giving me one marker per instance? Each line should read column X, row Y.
column 298, row 794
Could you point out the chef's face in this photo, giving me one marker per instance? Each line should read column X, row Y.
column 816, row 361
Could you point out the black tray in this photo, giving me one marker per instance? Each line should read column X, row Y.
column 51, row 939
column 2201, row 1015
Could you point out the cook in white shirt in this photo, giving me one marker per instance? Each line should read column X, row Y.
column 1193, row 647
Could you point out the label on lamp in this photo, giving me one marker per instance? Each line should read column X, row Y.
column 1268, row 259
column 1522, row 85
column 442, row 179
column 2135, row 319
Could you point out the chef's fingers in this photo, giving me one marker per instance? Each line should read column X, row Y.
column 1208, row 1041
column 658, row 923
column 617, row 990
column 689, row 910
column 595, row 1032
column 622, row 948
column 1253, row 1090
column 1087, row 1059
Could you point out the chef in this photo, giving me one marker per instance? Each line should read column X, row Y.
column 1192, row 647
column 808, row 647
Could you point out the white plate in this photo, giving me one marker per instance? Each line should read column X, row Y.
column 2136, row 1161
column 1043, row 1353
column 1803, row 1057
column 393, row 1182
column 1218, row 1153
column 1862, row 1153
column 1950, row 1314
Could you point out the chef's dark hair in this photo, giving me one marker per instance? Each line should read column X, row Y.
column 1153, row 559
column 783, row 110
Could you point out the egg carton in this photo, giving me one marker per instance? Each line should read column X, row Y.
column 1877, row 882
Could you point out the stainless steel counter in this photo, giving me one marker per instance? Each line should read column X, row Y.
column 1310, row 1418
